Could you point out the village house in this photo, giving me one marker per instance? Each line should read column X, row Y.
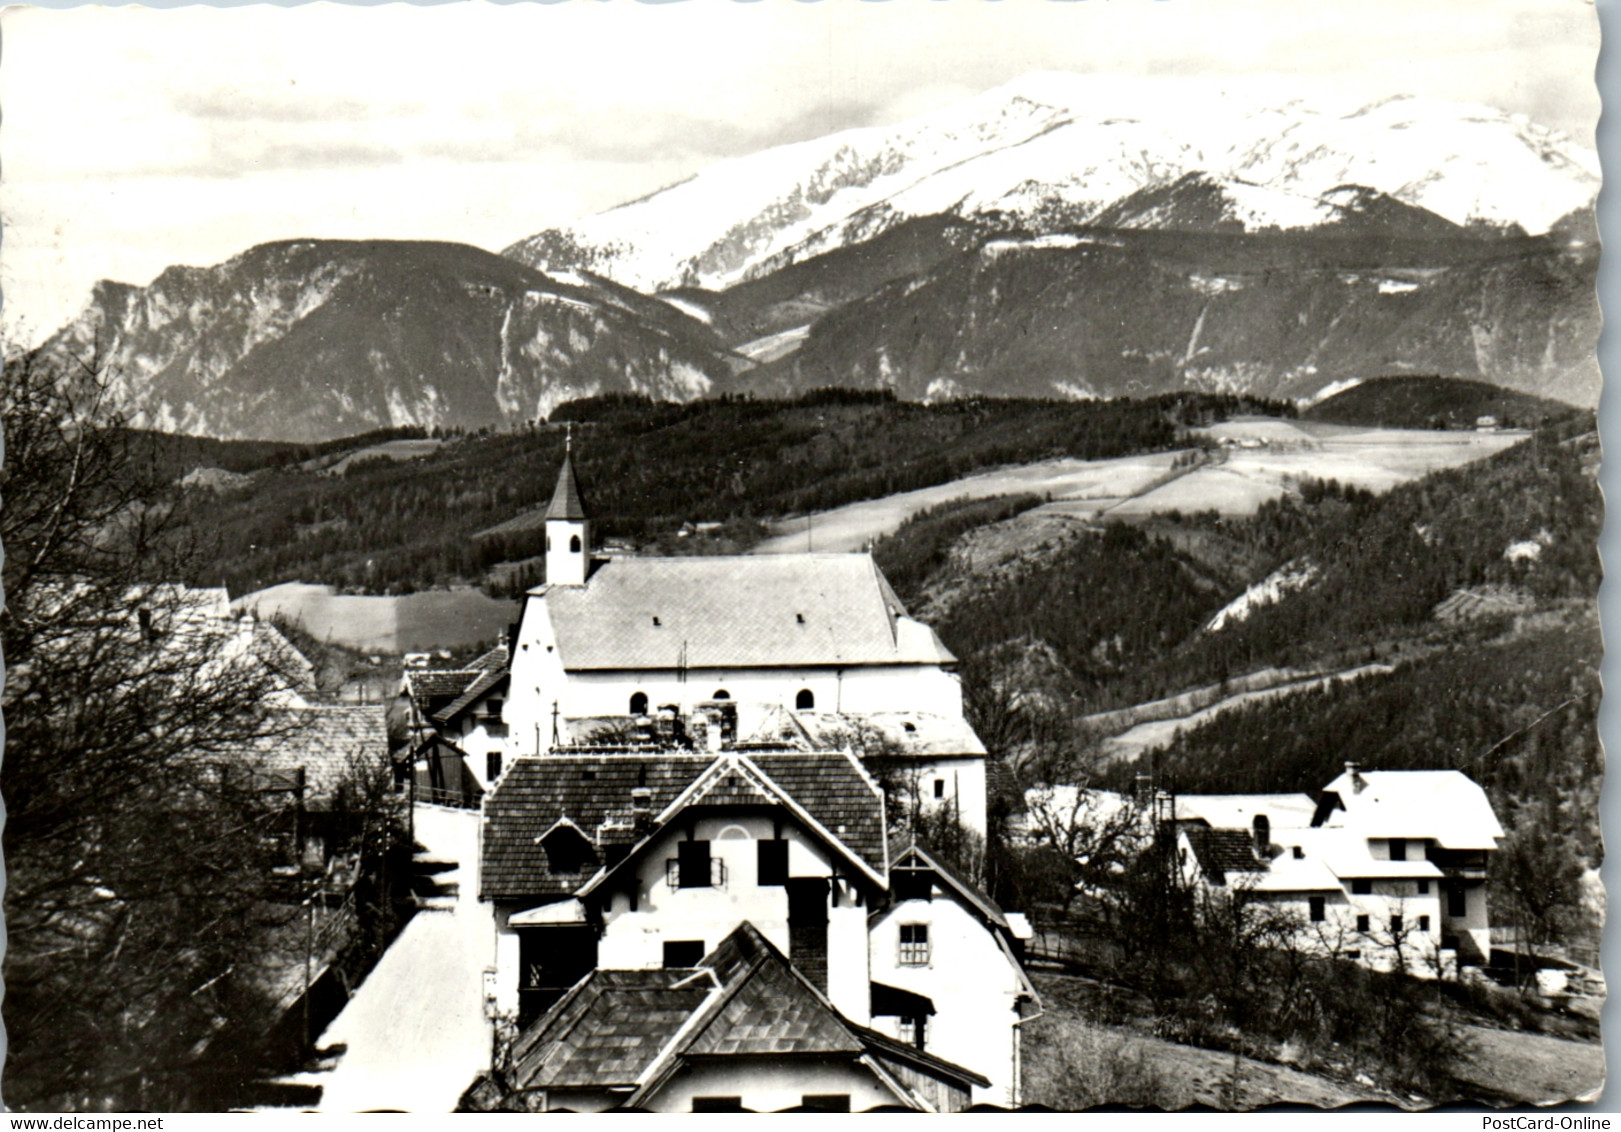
column 1387, row 868
column 615, row 875
column 947, row 970
column 738, row 1029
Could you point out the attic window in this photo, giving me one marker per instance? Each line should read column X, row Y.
column 656, row 621
column 567, row 851
column 909, row 726
column 799, row 617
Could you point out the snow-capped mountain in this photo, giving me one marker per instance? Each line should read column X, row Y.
column 1051, row 151
column 309, row 340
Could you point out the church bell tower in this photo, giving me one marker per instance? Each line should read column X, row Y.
column 568, row 531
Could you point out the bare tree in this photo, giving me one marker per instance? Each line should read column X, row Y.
column 137, row 844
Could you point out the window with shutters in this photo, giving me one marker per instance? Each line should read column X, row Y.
column 914, row 945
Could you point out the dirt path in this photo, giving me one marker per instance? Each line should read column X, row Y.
column 1159, row 732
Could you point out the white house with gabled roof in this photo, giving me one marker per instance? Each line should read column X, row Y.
column 947, row 973
column 1386, row 868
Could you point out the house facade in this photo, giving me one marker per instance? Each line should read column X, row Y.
column 1387, row 868
column 614, row 876
column 958, row 956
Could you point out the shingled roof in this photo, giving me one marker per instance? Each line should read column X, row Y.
column 566, row 502
column 763, row 611
column 607, row 1030
column 828, row 788
column 487, row 683
column 326, row 741
column 1223, row 851
column 636, row 1029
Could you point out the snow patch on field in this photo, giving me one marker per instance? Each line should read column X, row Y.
column 689, row 308
column 1268, row 591
column 1333, row 388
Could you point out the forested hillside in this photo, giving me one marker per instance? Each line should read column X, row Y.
column 1123, row 609
column 646, row 469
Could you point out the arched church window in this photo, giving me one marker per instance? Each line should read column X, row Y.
column 638, row 703
column 805, row 700
column 721, row 694
column 574, row 544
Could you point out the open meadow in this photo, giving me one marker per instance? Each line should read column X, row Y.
column 1257, row 459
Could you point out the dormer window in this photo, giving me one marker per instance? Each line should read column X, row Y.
column 568, row 851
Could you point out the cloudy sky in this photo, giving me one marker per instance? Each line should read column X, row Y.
column 135, row 138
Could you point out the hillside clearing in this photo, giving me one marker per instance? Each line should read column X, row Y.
column 852, row 527
column 451, row 618
column 1373, row 458
column 1236, row 482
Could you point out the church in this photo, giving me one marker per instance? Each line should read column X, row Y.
column 711, row 653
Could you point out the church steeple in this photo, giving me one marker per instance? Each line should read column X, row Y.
column 568, row 531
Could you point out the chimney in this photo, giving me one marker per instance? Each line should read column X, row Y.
column 641, row 807
column 1358, row 783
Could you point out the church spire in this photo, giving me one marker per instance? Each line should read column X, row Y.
column 568, row 532
column 566, row 502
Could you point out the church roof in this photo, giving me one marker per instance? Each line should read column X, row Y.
column 761, row 611
column 566, row 499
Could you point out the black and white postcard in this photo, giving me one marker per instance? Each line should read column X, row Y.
column 714, row 556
